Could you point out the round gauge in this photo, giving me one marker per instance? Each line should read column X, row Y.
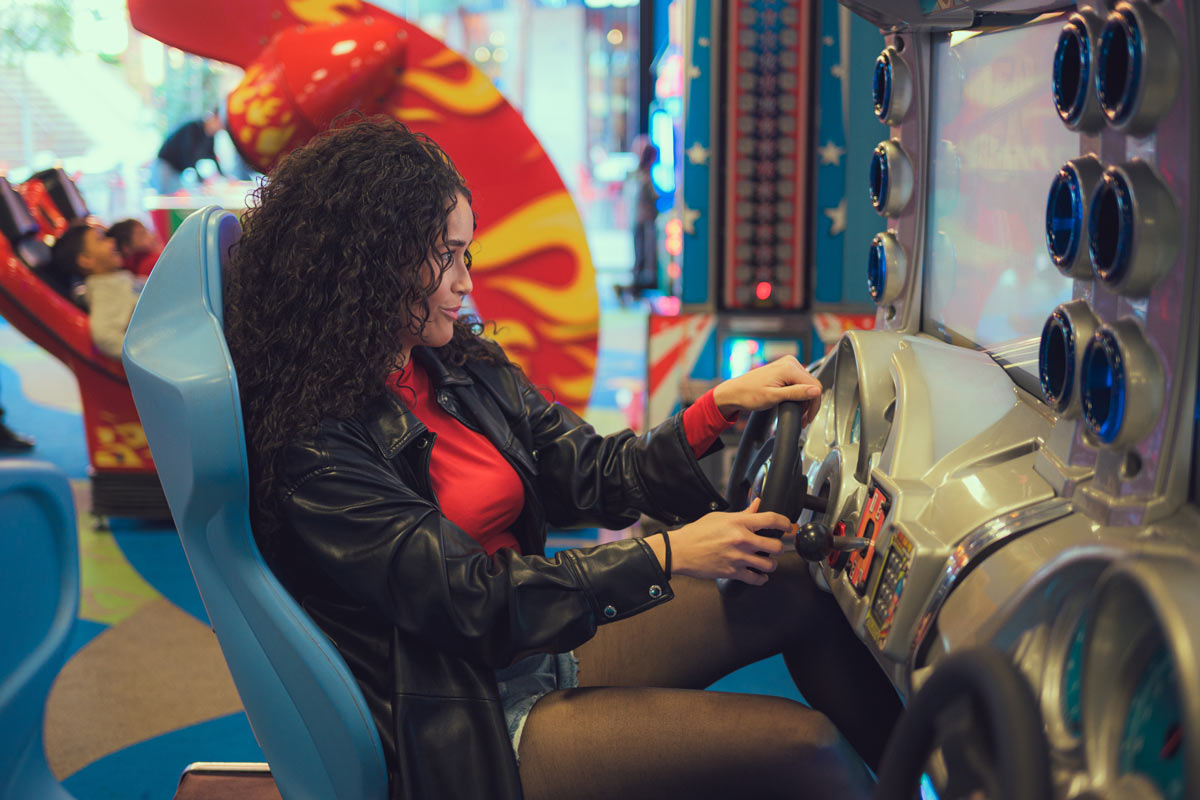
column 1141, row 694
column 1070, row 691
column 1151, row 744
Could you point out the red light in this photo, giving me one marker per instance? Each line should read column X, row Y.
column 674, row 236
column 763, row 290
column 673, row 270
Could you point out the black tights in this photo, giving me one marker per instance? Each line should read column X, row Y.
column 638, row 727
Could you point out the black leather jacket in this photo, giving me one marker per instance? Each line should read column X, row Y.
column 421, row 614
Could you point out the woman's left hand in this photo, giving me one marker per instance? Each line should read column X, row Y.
column 768, row 386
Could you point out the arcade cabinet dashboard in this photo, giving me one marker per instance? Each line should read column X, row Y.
column 1016, row 437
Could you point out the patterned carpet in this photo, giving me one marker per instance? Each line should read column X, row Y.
column 145, row 691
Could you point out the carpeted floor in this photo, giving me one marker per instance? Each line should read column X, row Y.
column 145, row 691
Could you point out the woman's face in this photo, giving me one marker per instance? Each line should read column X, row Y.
column 444, row 304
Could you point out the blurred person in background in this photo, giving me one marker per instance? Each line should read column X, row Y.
column 139, row 246
column 110, row 290
column 645, row 229
column 10, row 441
column 187, row 145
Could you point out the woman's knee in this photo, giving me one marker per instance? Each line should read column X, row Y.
column 822, row 758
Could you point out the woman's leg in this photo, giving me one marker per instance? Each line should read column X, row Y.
column 632, row 743
column 701, row 636
column 629, row 734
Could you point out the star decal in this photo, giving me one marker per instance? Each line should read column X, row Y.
column 703, row 41
column 837, row 218
column 693, row 71
column 689, row 217
column 830, row 153
column 697, row 154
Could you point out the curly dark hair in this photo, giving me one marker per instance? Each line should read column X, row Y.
column 328, row 277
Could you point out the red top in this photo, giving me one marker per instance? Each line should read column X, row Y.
column 477, row 489
column 141, row 263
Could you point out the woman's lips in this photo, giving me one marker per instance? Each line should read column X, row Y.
column 452, row 313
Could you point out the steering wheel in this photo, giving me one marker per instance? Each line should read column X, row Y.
column 785, row 488
column 982, row 713
column 785, row 481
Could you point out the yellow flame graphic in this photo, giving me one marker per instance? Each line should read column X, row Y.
column 475, row 95
column 584, row 355
column 572, row 389
column 248, row 89
column 547, row 223
column 313, row 11
column 416, row 115
column 513, row 333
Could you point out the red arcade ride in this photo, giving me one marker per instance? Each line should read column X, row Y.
column 124, row 480
column 306, row 61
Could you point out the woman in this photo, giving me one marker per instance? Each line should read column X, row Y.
column 405, row 473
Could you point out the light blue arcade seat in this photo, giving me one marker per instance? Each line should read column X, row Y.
column 304, row 706
column 39, row 596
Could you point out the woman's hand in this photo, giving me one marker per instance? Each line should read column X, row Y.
column 768, row 386
column 725, row 545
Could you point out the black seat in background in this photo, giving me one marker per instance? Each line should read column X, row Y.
column 22, row 233
column 64, row 193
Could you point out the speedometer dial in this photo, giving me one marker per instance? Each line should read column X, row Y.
column 1070, row 690
column 1141, row 693
column 1151, row 744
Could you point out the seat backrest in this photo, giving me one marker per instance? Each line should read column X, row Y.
column 24, row 236
column 63, row 192
column 304, row 705
column 16, row 222
column 39, row 596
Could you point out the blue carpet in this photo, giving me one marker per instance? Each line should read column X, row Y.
column 150, row 770
column 769, row 676
column 59, row 434
column 83, row 631
column 155, row 552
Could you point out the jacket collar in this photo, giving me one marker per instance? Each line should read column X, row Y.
column 440, row 374
column 390, row 423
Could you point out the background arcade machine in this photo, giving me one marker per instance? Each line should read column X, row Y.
column 1017, row 438
column 123, row 478
column 768, row 199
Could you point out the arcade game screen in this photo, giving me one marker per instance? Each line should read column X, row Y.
column 996, row 142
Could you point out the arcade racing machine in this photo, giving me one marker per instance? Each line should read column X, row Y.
column 1014, row 445
column 770, row 208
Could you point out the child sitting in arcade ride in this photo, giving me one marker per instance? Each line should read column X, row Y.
column 404, row 475
column 110, row 291
column 139, row 246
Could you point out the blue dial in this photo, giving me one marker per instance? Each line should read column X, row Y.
column 1070, row 692
column 1152, row 742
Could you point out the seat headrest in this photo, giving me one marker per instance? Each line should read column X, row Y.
column 36, row 254
column 16, row 223
column 63, row 192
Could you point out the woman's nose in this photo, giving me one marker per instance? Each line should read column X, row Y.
column 462, row 283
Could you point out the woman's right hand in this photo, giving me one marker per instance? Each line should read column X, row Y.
column 726, row 545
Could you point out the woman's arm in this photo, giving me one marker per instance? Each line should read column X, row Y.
column 588, row 477
column 384, row 544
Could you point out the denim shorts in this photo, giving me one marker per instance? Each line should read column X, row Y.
column 524, row 683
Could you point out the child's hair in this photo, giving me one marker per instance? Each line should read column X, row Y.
column 123, row 232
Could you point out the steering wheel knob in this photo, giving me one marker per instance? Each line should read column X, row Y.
column 815, row 542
